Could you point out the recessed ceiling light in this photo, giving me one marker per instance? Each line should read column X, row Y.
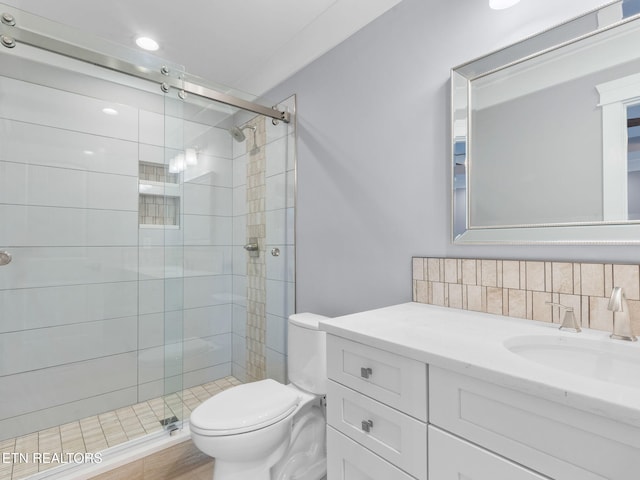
column 109, row 111
column 502, row 4
column 88, row 152
column 147, row 43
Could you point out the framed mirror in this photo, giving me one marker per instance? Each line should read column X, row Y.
column 546, row 136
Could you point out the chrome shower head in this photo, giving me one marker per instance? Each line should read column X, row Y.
column 238, row 134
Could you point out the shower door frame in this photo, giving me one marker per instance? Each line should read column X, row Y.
column 21, row 28
column 11, row 31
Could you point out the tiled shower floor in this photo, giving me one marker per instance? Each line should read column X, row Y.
column 93, row 434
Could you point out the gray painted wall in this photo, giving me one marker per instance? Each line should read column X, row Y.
column 373, row 150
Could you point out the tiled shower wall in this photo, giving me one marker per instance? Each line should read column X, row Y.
column 256, row 266
column 264, row 287
column 522, row 288
column 87, row 299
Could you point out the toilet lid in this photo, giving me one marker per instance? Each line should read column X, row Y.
column 245, row 408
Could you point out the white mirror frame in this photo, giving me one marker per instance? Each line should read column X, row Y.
column 614, row 96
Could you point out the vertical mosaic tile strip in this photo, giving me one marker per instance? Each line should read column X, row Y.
column 256, row 266
column 522, row 288
column 158, row 210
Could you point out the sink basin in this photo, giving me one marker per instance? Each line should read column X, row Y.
column 606, row 360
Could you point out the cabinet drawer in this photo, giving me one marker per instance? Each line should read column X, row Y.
column 392, row 379
column 347, row 460
column 451, row 458
column 554, row 439
column 396, row 437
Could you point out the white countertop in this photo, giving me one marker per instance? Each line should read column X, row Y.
column 471, row 343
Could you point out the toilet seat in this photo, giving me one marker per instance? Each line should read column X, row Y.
column 244, row 408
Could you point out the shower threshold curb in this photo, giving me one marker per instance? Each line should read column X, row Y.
column 117, row 456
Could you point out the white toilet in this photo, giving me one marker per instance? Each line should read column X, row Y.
column 266, row 430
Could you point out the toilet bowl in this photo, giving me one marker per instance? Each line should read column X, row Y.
column 266, row 430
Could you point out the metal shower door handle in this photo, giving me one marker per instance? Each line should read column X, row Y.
column 5, row 258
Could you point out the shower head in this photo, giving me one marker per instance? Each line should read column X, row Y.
column 238, row 134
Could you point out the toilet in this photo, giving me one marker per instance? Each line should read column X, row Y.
column 266, row 430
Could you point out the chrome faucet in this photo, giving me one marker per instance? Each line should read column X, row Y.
column 622, row 329
column 569, row 321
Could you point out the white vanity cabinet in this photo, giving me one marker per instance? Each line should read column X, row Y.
column 559, row 441
column 451, row 458
column 376, row 414
column 418, row 402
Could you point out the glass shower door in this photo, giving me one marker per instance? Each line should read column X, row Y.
column 263, row 214
column 85, row 297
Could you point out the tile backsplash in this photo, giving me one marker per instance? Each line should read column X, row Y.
column 522, row 288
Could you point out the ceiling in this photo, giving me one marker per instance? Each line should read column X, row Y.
column 250, row 45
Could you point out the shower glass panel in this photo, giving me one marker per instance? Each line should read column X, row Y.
column 126, row 292
column 263, row 213
column 90, row 304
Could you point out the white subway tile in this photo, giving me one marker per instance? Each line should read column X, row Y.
column 52, row 226
column 42, row 145
column 152, row 128
column 280, row 227
column 37, row 104
column 53, row 416
column 239, row 350
column 240, row 290
column 48, row 266
column 207, row 260
column 280, row 298
column 281, row 155
column 207, row 230
column 47, row 347
column 208, row 321
column 160, row 295
column 211, row 141
column 151, row 330
column 239, row 261
column 281, row 267
column 47, row 307
column 204, row 375
column 206, row 200
column 213, row 171
column 207, row 351
column 239, row 201
column 239, row 320
column 276, row 336
column 39, row 389
column 276, row 366
column 206, row 291
column 240, row 171
column 160, row 262
column 45, row 186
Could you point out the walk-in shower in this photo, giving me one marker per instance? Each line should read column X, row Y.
column 126, row 296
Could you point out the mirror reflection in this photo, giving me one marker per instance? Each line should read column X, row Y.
column 548, row 141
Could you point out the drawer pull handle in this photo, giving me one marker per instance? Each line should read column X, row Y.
column 367, row 425
column 365, row 372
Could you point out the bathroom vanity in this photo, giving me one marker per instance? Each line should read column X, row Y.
column 424, row 392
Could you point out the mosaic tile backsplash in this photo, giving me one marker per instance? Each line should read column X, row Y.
column 522, row 288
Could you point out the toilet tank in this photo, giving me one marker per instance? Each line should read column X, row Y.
column 307, row 353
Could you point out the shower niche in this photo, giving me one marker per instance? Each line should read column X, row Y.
column 159, row 197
